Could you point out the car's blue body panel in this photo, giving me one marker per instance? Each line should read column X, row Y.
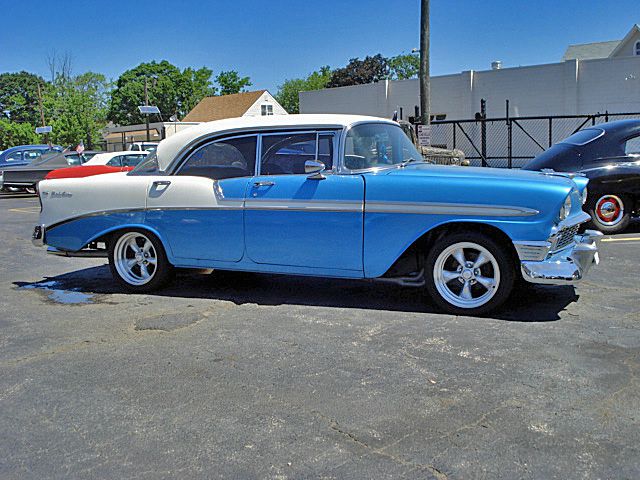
column 75, row 234
column 303, row 222
column 215, row 234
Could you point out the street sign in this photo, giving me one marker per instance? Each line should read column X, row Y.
column 46, row 129
column 148, row 109
column 424, row 135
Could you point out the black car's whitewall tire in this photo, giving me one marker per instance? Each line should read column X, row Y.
column 468, row 273
column 610, row 213
column 138, row 261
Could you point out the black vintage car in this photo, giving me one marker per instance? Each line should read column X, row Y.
column 609, row 155
column 27, row 177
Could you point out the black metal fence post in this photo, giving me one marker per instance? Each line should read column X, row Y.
column 454, row 135
column 509, row 138
column 483, row 131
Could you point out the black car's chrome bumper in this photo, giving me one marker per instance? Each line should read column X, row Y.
column 568, row 266
column 37, row 237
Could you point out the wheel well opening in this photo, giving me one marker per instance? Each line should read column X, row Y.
column 107, row 237
column 412, row 259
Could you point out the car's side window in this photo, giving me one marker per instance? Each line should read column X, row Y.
column 131, row 160
column 31, row 155
column 115, row 161
column 632, row 146
column 325, row 150
column 14, row 157
column 286, row 154
column 73, row 159
column 226, row 158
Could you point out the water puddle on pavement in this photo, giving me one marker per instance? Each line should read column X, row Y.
column 67, row 297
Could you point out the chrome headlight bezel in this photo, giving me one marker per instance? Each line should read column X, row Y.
column 565, row 210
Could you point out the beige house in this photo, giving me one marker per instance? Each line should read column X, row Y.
column 245, row 104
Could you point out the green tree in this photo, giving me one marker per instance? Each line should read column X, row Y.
column 171, row 90
column 288, row 93
column 357, row 72
column 76, row 108
column 19, row 97
column 231, row 82
column 404, row 66
column 13, row 134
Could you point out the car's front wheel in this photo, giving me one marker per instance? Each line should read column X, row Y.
column 468, row 273
column 138, row 261
column 610, row 213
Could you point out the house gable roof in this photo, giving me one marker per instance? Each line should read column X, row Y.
column 589, row 51
column 627, row 38
column 224, row 106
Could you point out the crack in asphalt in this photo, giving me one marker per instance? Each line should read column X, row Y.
column 436, row 472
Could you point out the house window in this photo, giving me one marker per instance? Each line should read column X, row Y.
column 637, row 48
column 266, row 110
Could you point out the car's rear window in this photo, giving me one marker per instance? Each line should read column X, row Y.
column 584, row 136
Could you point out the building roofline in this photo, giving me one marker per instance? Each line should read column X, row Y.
column 635, row 29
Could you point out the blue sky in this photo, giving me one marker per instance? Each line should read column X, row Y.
column 278, row 39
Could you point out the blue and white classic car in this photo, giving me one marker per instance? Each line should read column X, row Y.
column 323, row 195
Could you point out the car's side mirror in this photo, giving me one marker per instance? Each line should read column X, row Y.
column 314, row 169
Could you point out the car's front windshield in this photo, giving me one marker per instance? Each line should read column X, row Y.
column 378, row 145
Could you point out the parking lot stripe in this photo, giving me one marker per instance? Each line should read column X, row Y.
column 629, row 239
column 25, row 210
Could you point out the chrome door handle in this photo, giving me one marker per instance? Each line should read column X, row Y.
column 162, row 182
column 264, row 183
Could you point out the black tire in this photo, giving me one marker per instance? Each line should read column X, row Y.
column 483, row 299
column 601, row 206
column 163, row 271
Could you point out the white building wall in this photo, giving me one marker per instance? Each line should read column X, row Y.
column 566, row 88
column 266, row 98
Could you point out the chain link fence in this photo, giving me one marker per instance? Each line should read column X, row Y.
column 511, row 142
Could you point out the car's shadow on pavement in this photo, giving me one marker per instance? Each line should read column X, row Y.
column 529, row 303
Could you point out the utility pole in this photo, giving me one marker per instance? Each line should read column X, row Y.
column 146, row 102
column 425, row 106
column 46, row 135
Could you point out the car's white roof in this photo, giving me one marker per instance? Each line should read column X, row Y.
column 170, row 147
column 103, row 158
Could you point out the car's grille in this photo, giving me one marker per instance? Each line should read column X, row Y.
column 565, row 237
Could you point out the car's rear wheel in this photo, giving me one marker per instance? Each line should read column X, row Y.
column 610, row 213
column 138, row 261
column 469, row 274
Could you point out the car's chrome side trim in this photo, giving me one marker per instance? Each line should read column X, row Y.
column 303, row 205
column 429, row 208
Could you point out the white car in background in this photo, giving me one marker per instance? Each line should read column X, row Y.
column 128, row 158
column 148, row 147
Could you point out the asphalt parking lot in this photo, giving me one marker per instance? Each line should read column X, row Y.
column 254, row 376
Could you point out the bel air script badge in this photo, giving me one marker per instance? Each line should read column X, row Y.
column 56, row 194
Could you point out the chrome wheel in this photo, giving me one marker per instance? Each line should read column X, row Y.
column 466, row 275
column 609, row 210
column 135, row 258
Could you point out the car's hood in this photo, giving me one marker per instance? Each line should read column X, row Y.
column 481, row 173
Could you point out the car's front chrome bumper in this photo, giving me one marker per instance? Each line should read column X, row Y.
column 567, row 266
